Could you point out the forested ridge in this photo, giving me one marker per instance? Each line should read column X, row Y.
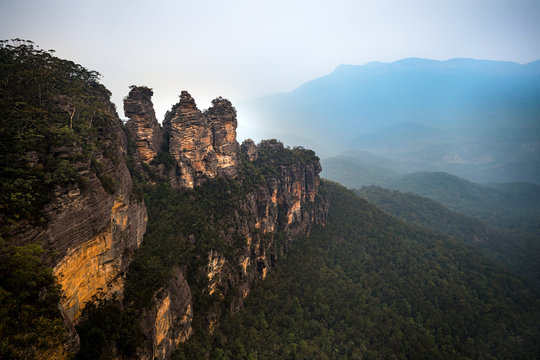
column 52, row 112
column 368, row 286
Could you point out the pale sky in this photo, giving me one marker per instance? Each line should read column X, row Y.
column 242, row 49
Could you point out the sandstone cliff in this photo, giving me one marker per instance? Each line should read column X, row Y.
column 74, row 184
column 168, row 322
column 95, row 225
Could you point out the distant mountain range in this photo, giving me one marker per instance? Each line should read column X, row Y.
column 477, row 119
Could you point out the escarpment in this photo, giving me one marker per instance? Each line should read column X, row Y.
column 266, row 195
column 219, row 214
column 168, row 322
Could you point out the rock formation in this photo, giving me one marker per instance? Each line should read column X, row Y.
column 222, row 119
column 249, row 147
column 168, row 322
column 280, row 205
column 96, row 225
column 92, row 220
column 203, row 145
column 143, row 125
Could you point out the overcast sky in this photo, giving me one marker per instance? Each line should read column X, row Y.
column 248, row 48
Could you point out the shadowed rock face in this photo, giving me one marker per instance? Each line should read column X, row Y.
column 249, row 147
column 203, row 145
column 143, row 124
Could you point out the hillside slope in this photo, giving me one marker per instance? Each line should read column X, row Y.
column 517, row 253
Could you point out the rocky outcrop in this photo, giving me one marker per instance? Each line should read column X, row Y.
column 279, row 200
column 222, row 119
column 203, row 145
column 143, row 125
column 168, row 322
column 249, row 147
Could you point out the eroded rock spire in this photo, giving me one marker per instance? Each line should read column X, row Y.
column 143, row 124
column 203, row 145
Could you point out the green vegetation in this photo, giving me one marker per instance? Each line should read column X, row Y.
column 184, row 225
column 272, row 156
column 113, row 330
column 513, row 207
column 425, row 212
column 521, row 257
column 30, row 325
column 51, row 112
column 368, row 286
column 173, row 215
column 365, row 286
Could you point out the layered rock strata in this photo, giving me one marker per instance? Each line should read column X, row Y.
column 143, row 125
column 94, row 225
column 203, row 145
column 281, row 202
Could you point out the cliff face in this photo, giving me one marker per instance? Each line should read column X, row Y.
column 143, row 124
column 203, row 145
column 94, row 225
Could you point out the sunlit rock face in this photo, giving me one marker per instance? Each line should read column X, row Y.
column 94, row 269
column 143, row 125
column 168, row 322
column 267, row 219
column 203, row 145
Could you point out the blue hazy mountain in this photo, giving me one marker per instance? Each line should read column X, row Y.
column 478, row 119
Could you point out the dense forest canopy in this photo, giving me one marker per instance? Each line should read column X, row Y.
column 517, row 251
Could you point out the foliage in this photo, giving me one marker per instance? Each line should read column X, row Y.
column 111, row 331
column 368, row 286
column 272, row 156
column 173, row 214
column 30, row 323
column 54, row 121
column 512, row 207
column 51, row 112
column 509, row 249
